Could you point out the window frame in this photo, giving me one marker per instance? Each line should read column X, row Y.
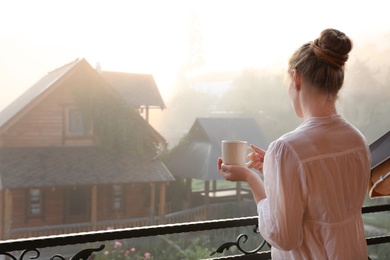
column 86, row 130
column 116, row 196
column 39, row 201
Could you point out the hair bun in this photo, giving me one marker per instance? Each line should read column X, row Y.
column 333, row 47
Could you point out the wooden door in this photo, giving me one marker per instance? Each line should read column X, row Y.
column 77, row 205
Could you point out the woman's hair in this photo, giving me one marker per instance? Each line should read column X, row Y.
column 322, row 61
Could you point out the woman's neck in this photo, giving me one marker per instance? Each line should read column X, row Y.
column 319, row 105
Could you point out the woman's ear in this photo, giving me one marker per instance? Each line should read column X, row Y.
column 297, row 80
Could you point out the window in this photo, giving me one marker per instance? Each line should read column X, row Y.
column 35, row 202
column 117, row 197
column 76, row 124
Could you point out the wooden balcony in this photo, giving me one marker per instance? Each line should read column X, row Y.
column 95, row 241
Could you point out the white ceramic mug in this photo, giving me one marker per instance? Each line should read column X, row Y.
column 234, row 152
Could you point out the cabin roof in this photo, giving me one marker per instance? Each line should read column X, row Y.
column 196, row 156
column 137, row 89
column 68, row 166
column 34, row 91
column 380, row 150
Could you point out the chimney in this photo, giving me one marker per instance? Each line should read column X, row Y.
column 98, row 67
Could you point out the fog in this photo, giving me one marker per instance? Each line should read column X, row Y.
column 260, row 93
column 208, row 58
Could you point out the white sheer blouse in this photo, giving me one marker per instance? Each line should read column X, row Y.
column 316, row 179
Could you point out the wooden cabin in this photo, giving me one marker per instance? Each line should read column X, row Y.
column 76, row 155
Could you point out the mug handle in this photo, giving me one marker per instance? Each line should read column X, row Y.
column 247, row 163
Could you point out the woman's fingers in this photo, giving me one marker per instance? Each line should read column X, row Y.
column 258, row 150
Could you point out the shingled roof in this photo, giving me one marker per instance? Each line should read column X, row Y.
column 196, row 157
column 380, row 150
column 137, row 89
column 63, row 166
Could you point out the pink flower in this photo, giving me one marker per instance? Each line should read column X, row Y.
column 147, row 255
column 132, row 249
column 106, row 252
column 117, row 244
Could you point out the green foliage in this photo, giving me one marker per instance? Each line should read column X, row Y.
column 116, row 124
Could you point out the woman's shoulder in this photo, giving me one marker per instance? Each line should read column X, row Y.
column 321, row 137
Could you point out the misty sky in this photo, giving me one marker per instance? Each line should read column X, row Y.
column 152, row 36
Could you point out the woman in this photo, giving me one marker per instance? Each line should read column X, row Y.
column 315, row 177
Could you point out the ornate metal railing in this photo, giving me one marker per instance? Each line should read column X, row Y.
column 31, row 245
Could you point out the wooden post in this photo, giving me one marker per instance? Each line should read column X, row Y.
column 207, row 197
column 7, row 214
column 214, row 189
column 188, row 202
column 152, row 201
column 147, row 113
column 238, row 191
column 161, row 211
column 207, row 193
column 94, row 206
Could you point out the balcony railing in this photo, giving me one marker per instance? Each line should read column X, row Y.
column 9, row 248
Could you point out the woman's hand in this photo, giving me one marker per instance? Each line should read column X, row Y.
column 257, row 158
column 233, row 172
column 243, row 173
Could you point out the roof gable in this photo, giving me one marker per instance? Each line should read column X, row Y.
column 84, row 79
column 137, row 89
column 34, row 92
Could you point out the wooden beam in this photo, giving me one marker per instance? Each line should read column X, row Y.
column 152, row 201
column 238, row 188
column 147, row 114
column 214, row 189
column 161, row 211
column 188, row 193
column 207, row 193
column 94, row 206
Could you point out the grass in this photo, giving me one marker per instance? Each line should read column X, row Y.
column 198, row 185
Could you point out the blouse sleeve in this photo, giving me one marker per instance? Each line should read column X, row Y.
column 281, row 213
